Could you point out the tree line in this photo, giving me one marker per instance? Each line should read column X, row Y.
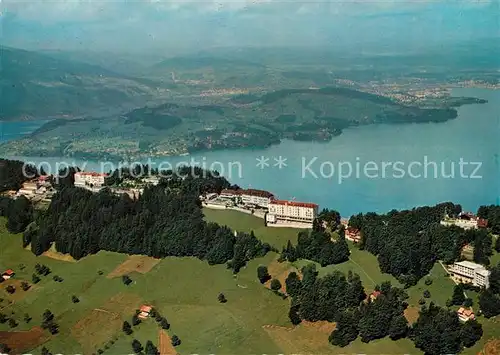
column 325, row 244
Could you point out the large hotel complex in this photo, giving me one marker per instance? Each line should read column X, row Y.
column 278, row 211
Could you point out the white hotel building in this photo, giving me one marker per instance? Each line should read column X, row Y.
column 249, row 197
column 469, row 272
column 89, row 180
column 291, row 211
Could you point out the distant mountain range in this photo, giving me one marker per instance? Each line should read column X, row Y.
column 37, row 86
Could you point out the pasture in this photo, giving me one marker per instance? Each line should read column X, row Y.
column 184, row 290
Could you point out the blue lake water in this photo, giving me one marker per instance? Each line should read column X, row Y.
column 387, row 162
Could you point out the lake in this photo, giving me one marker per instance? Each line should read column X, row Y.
column 392, row 166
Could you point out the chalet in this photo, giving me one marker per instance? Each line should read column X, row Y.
column 145, row 311
column 373, row 296
column 465, row 314
column 353, row 234
column 8, row 274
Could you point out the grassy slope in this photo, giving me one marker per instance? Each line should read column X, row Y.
column 239, row 221
column 366, row 265
column 185, row 291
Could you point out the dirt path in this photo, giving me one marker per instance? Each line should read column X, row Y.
column 165, row 344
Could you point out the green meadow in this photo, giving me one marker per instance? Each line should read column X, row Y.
column 185, row 290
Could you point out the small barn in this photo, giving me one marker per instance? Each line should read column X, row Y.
column 144, row 311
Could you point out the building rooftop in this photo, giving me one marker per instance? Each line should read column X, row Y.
column 9, row 272
column 469, row 264
column 465, row 312
column 258, row 193
column 90, row 173
column 294, row 203
column 230, row 192
column 146, row 309
column 352, row 230
column 482, row 222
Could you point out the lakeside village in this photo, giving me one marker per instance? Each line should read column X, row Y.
column 262, row 204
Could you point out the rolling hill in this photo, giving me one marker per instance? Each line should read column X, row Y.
column 37, row 86
column 243, row 121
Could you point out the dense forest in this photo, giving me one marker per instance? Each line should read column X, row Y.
column 407, row 243
column 341, row 299
column 325, row 244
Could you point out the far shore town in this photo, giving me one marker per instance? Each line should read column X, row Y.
column 262, row 204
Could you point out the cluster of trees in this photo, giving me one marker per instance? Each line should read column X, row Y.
column 489, row 299
column 407, row 243
column 492, row 214
column 14, row 173
column 439, row 331
column 10, row 320
column 164, row 221
column 315, row 299
column 49, row 323
column 318, row 246
column 341, row 299
column 381, row 315
column 150, row 348
column 19, row 213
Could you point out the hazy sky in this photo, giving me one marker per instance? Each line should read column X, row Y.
column 166, row 25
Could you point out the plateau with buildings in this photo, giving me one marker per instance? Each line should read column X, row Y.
column 276, row 213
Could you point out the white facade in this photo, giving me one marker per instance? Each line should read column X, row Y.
column 89, row 180
column 260, row 201
column 151, row 180
column 462, row 223
column 28, row 190
column 292, row 211
column 469, row 272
